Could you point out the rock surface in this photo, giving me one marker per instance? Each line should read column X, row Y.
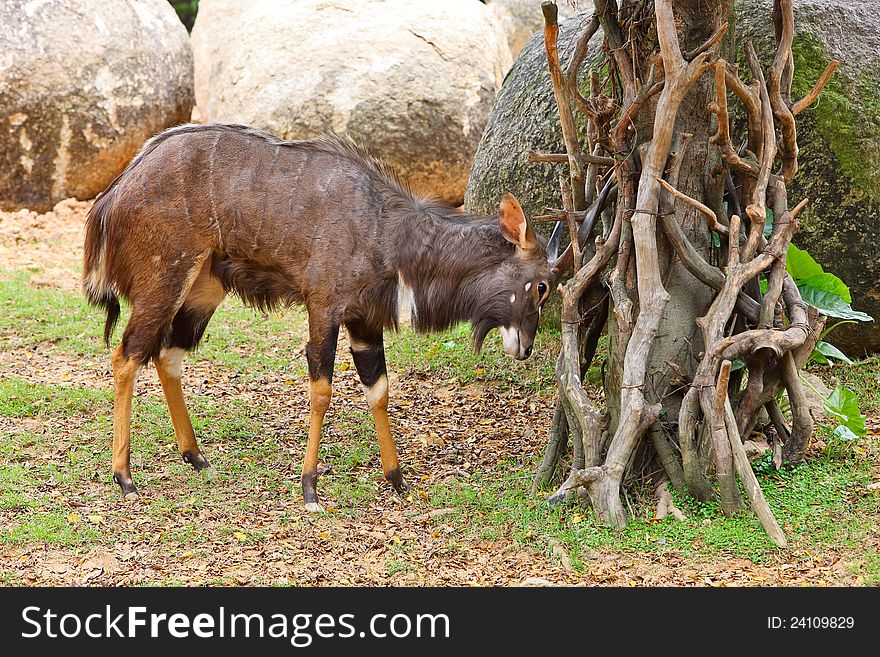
column 525, row 118
column 522, row 18
column 83, row 84
column 413, row 81
column 839, row 140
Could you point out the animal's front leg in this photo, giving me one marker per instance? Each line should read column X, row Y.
column 368, row 353
column 320, row 353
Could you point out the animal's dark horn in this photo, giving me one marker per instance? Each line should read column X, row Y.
column 553, row 242
column 608, row 194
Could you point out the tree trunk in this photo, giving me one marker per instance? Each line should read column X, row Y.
column 678, row 256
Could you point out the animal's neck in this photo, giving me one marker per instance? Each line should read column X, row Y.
column 448, row 263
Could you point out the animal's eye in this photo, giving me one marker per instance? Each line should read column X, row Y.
column 542, row 288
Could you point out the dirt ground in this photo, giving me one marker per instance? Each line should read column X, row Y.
column 334, row 549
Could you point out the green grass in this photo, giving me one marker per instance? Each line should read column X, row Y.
column 30, row 316
column 22, row 398
column 55, row 451
column 811, row 501
column 449, row 357
column 862, row 377
column 241, row 339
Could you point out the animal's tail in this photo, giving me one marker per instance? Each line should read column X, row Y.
column 97, row 284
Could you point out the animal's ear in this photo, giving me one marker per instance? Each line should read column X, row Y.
column 514, row 225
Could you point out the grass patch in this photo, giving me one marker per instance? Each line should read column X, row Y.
column 22, row 398
column 449, row 357
column 812, row 501
column 30, row 316
column 241, row 339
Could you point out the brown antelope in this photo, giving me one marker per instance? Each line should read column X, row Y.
column 205, row 210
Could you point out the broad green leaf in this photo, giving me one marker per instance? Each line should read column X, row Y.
column 764, row 283
column 819, row 357
column 829, row 283
column 845, row 433
column 737, row 364
column 830, row 351
column 843, row 404
column 831, row 305
column 800, row 264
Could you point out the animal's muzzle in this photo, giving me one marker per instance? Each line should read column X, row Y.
column 516, row 343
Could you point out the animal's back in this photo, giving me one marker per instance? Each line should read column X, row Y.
column 282, row 222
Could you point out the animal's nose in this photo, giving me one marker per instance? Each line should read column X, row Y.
column 528, row 351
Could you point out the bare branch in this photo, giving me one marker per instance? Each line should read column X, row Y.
column 811, row 97
column 711, row 217
column 560, row 91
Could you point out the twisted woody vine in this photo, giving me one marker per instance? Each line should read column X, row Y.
column 681, row 251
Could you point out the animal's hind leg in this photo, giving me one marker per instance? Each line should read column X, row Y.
column 187, row 329
column 368, row 352
column 168, row 365
column 146, row 332
column 320, row 353
column 125, row 371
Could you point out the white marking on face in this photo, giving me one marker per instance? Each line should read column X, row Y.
column 377, row 392
column 510, row 336
column 528, row 286
column 172, row 361
column 512, row 298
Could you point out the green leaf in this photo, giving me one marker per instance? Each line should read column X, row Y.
column 829, row 283
column 819, row 357
column 843, row 404
column 831, row 305
column 737, row 364
column 845, row 433
column 830, row 351
column 800, row 264
column 715, row 239
column 768, row 225
column 764, row 283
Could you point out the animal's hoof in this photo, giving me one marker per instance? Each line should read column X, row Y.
column 129, row 491
column 314, row 507
column 196, row 460
column 397, row 481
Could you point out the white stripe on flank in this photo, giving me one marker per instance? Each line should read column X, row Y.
column 406, row 301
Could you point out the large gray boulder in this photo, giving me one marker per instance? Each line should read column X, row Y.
column 413, row 81
column 522, row 18
column 839, row 139
column 83, row 83
column 525, row 118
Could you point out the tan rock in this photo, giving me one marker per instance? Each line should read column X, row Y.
column 83, row 83
column 522, row 18
column 413, row 81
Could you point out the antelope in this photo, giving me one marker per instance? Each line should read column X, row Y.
column 207, row 210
